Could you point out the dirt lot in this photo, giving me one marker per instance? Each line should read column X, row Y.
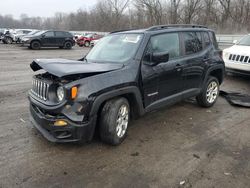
column 203, row 147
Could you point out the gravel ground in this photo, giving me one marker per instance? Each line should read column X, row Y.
column 183, row 144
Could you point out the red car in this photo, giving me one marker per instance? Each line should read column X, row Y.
column 85, row 40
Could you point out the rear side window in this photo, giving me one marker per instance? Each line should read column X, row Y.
column 168, row 42
column 192, row 42
column 60, row 34
column 206, row 38
column 49, row 34
column 213, row 39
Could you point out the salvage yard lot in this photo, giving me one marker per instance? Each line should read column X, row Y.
column 201, row 147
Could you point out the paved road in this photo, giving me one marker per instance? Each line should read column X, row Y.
column 203, row 147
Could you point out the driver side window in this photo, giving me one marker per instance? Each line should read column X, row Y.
column 49, row 34
column 167, row 42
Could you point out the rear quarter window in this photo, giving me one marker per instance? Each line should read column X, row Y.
column 213, row 39
column 192, row 42
column 206, row 39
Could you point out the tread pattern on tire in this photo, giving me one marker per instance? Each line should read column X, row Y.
column 201, row 98
column 107, row 127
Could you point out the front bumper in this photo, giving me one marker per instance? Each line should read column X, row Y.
column 237, row 66
column 73, row 132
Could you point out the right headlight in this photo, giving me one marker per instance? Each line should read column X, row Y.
column 60, row 93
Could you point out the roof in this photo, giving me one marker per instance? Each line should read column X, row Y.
column 158, row 28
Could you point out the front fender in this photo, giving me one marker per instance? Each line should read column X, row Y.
column 132, row 91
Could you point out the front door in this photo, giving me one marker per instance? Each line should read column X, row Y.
column 48, row 39
column 162, row 82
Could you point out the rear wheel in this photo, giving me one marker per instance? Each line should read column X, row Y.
column 67, row 45
column 210, row 93
column 114, row 121
column 87, row 44
column 35, row 45
column 9, row 40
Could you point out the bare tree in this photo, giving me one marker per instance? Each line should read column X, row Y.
column 191, row 8
column 226, row 16
column 174, row 11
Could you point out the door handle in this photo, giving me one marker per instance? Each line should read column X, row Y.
column 178, row 67
column 205, row 59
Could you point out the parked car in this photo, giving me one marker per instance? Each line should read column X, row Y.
column 61, row 39
column 20, row 34
column 94, row 42
column 86, row 40
column 2, row 32
column 237, row 57
column 77, row 35
column 7, row 37
column 14, row 35
column 29, row 35
column 126, row 75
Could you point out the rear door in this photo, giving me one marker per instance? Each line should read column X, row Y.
column 195, row 59
column 48, row 39
column 60, row 38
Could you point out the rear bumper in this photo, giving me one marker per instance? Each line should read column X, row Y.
column 73, row 132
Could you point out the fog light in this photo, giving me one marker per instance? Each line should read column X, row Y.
column 60, row 123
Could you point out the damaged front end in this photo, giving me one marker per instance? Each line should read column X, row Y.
column 55, row 112
column 55, row 109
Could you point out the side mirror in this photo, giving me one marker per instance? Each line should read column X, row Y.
column 43, row 36
column 160, row 57
column 235, row 41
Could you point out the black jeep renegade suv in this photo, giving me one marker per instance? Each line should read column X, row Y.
column 127, row 74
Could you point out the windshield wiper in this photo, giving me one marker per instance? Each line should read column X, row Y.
column 83, row 59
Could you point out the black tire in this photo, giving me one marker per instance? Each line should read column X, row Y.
column 87, row 44
column 110, row 118
column 9, row 40
column 35, row 45
column 67, row 45
column 204, row 100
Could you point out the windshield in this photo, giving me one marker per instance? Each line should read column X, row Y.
column 39, row 33
column 33, row 32
column 116, row 48
column 89, row 35
column 245, row 41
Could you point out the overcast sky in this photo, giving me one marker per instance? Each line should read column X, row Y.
column 43, row 8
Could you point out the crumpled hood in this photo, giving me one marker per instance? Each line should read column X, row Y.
column 64, row 67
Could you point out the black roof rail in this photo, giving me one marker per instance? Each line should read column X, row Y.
column 158, row 27
column 121, row 30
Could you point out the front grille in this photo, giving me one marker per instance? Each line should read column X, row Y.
column 40, row 89
column 239, row 58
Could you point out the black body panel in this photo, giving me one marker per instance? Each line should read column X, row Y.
column 146, row 86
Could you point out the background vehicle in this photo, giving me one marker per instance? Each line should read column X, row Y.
column 14, row 35
column 20, row 33
column 237, row 57
column 94, row 42
column 2, row 32
column 86, row 40
column 29, row 34
column 61, row 39
column 126, row 75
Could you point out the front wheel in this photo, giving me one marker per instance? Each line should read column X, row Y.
column 210, row 93
column 114, row 121
column 35, row 45
column 67, row 45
